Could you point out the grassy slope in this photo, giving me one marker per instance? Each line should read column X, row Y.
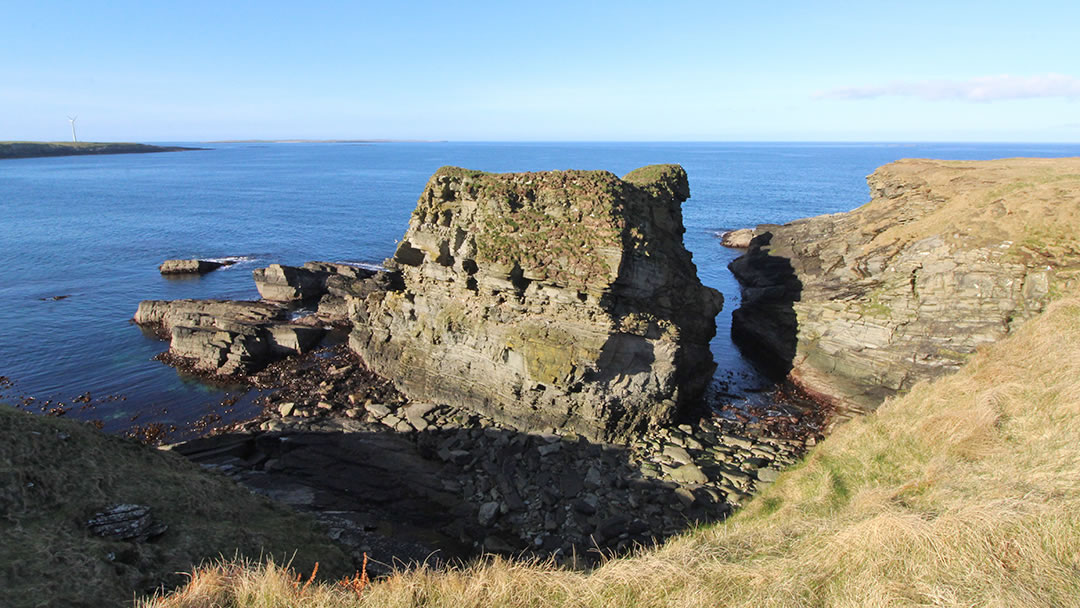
column 965, row 492
column 1035, row 201
column 50, row 484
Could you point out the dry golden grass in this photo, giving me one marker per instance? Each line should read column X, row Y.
column 965, row 492
column 1034, row 202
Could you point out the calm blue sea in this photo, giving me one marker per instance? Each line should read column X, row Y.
column 95, row 228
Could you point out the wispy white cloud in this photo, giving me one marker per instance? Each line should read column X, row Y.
column 981, row 89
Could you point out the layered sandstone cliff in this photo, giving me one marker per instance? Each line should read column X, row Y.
column 858, row 306
column 546, row 300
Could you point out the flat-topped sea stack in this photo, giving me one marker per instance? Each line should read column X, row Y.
column 947, row 255
column 546, row 300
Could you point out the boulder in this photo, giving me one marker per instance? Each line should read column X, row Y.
column 126, row 522
column 191, row 266
column 280, row 283
column 545, row 300
column 858, row 306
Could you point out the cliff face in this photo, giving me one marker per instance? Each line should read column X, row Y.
column 858, row 306
column 557, row 299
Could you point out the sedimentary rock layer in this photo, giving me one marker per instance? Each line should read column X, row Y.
column 858, row 306
column 546, row 300
column 226, row 337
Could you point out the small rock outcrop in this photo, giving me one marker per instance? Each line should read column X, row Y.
column 126, row 522
column 280, row 283
column 227, row 337
column 858, row 306
column 546, row 300
column 191, row 266
column 738, row 239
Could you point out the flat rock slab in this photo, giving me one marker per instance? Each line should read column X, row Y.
column 169, row 267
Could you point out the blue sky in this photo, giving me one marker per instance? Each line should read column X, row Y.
column 715, row 71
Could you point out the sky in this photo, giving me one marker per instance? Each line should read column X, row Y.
column 541, row 71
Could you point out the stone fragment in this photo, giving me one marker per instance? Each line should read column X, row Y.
column 767, row 475
column 677, row 454
column 549, row 449
column 685, row 496
column 126, row 522
column 415, row 413
column 279, row 283
column 378, row 410
column 488, row 512
column 286, row 409
column 688, row 473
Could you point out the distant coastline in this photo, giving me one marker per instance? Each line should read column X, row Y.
column 37, row 149
column 327, row 141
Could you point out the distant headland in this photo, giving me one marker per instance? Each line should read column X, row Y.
column 33, row 149
column 327, row 141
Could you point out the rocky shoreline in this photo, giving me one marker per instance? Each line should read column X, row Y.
column 497, row 393
column 403, row 481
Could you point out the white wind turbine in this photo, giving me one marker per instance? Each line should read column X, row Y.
column 72, row 119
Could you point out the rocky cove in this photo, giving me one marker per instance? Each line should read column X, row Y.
column 524, row 376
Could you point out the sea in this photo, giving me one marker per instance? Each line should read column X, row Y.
column 81, row 238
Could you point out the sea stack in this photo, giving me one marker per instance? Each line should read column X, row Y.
column 554, row 300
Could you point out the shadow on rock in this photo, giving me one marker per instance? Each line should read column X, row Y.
column 447, row 494
column 765, row 326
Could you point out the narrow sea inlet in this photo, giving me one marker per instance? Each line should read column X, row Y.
column 81, row 239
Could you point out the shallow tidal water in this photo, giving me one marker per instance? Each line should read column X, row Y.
column 81, row 239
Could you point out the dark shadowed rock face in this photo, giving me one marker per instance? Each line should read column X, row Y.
column 858, row 306
column 546, row 300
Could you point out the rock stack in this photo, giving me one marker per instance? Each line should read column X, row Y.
column 555, row 300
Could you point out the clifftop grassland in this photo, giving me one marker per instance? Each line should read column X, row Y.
column 33, row 149
column 947, row 256
column 964, row 492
